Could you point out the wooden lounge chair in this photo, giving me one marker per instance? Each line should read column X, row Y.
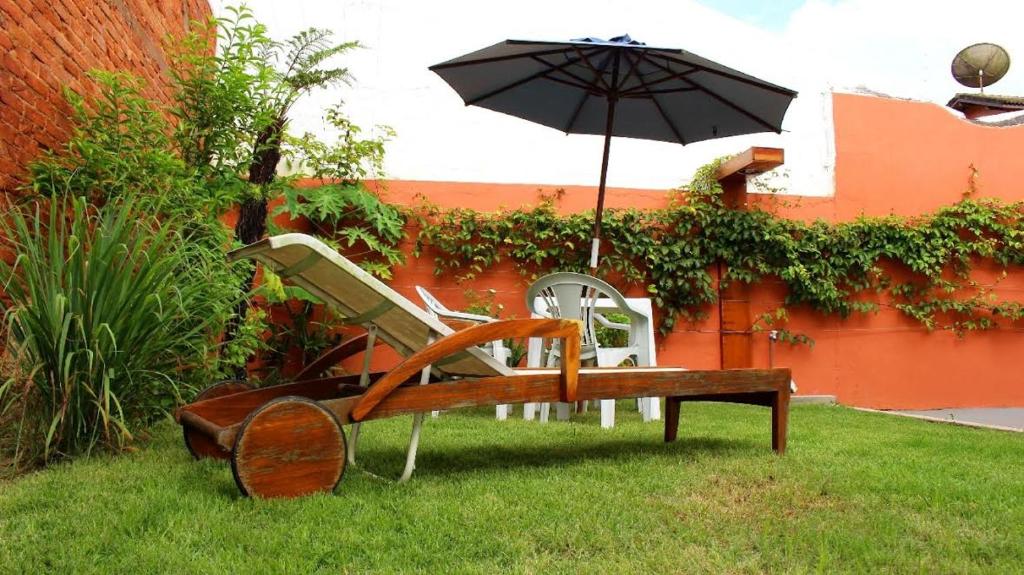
column 288, row 440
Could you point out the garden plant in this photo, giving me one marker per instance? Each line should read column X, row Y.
column 118, row 305
column 174, row 174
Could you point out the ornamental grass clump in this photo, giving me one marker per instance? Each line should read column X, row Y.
column 107, row 310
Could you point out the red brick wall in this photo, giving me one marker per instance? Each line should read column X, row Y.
column 47, row 44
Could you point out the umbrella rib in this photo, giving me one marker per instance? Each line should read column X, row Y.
column 671, row 76
column 725, row 101
column 446, row 65
column 751, row 81
column 745, row 112
column 648, row 93
column 520, row 82
column 657, row 104
column 583, row 100
column 632, row 68
column 584, row 87
column 598, row 75
column 582, row 81
column 671, row 124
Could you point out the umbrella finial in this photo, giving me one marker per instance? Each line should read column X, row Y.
column 624, row 39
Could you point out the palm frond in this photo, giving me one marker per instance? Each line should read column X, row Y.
column 307, row 51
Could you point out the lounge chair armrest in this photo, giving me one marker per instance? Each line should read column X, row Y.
column 566, row 330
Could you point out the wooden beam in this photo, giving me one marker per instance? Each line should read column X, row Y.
column 546, row 386
column 736, row 339
column 751, row 162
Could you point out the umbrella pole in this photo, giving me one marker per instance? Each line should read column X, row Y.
column 596, row 243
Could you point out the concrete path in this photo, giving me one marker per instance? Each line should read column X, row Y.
column 1006, row 418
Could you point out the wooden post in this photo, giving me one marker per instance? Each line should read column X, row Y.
column 736, row 343
column 780, row 420
column 570, row 371
column 671, row 418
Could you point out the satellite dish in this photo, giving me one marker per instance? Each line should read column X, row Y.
column 980, row 65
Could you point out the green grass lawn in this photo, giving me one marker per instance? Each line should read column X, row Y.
column 857, row 492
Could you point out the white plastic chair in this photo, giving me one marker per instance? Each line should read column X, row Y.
column 574, row 296
column 495, row 349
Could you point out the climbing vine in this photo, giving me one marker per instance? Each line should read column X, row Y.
column 920, row 266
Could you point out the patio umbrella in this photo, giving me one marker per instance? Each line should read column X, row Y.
column 618, row 87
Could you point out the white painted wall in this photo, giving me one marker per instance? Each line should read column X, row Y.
column 440, row 139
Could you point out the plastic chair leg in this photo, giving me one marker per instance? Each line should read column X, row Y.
column 562, row 410
column 650, row 408
column 607, row 413
column 501, row 412
column 529, row 411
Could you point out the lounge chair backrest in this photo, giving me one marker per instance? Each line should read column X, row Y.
column 363, row 299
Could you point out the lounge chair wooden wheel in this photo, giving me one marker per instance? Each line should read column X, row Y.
column 199, row 444
column 289, row 447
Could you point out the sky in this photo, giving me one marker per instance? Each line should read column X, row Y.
column 765, row 14
column 905, row 47
column 898, row 47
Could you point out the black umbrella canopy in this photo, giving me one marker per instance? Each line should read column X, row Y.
column 618, row 87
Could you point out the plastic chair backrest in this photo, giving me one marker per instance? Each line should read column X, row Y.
column 570, row 295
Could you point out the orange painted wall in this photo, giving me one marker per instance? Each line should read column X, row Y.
column 908, row 158
column 697, row 347
column 892, row 156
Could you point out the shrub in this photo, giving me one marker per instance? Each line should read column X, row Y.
column 118, row 146
column 119, row 150
column 342, row 210
column 108, row 308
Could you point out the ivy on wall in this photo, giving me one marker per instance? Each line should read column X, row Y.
column 922, row 264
